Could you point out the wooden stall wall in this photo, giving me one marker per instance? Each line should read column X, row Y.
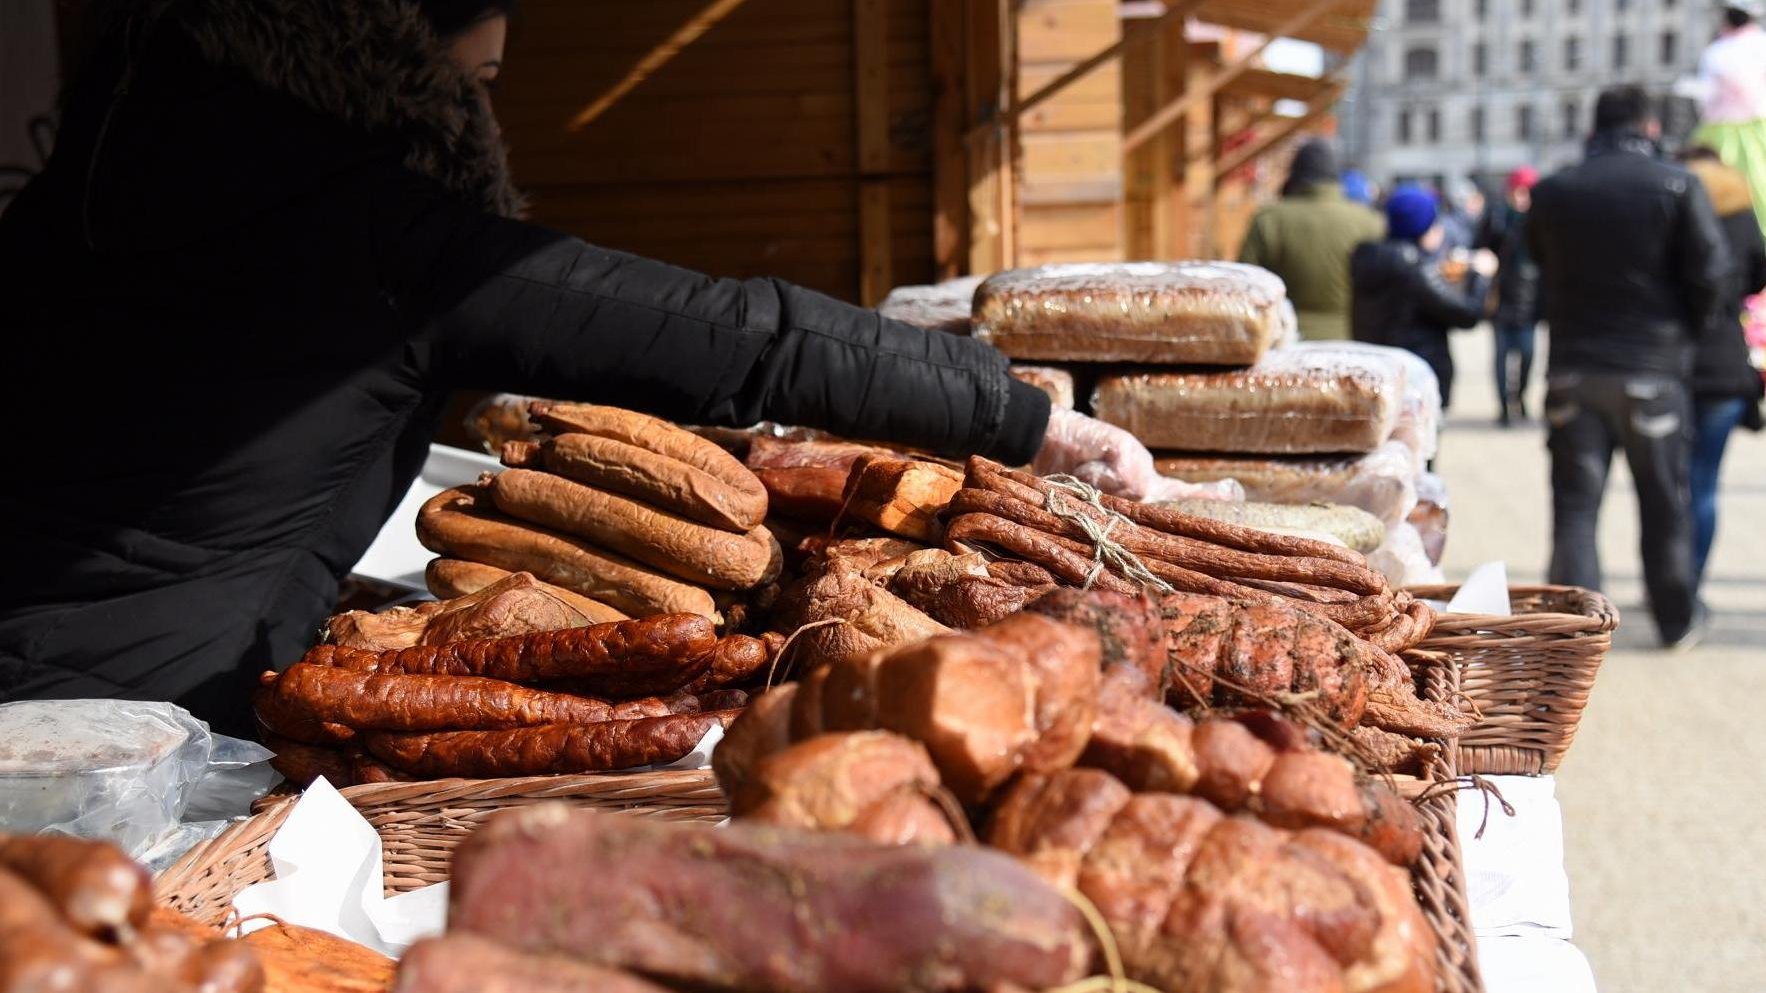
column 787, row 138
column 1070, row 148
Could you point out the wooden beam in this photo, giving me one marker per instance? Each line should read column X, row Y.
column 950, row 167
column 988, row 32
column 870, row 91
column 1172, row 111
column 1319, row 107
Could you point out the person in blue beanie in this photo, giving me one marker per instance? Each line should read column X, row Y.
column 1357, row 188
column 1400, row 296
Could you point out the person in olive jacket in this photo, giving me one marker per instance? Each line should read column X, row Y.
column 1634, row 269
column 1306, row 237
column 1726, row 388
column 274, row 237
column 1401, row 296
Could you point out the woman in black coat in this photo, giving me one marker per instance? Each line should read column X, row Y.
column 274, row 237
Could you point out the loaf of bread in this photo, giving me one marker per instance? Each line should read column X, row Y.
column 1293, row 402
column 1057, row 383
column 1204, row 313
column 1381, row 482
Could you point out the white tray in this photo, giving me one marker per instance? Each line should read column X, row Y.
column 396, row 556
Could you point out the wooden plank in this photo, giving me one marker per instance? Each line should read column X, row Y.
column 1304, row 13
column 870, row 85
column 950, row 179
column 989, row 57
column 1072, row 226
column 876, row 273
column 1065, row 30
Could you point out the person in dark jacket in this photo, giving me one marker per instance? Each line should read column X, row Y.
column 1726, row 388
column 1633, row 269
column 1517, row 291
column 1401, row 298
column 274, row 237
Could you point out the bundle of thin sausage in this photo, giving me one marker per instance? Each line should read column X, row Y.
column 627, row 510
column 613, row 695
column 1225, row 854
column 78, row 915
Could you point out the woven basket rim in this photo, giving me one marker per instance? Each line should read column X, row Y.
column 1600, row 616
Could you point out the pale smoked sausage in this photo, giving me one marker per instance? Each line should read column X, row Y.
column 449, row 579
column 547, row 749
column 647, row 476
column 462, row 523
column 623, row 658
column 659, row 539
column 650, row 434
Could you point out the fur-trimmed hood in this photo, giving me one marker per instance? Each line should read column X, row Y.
column 372, row 63
column 1727, row 187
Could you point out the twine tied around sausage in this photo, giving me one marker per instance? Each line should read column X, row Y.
column 1106, row 553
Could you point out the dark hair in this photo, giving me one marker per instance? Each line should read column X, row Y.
column 1622, row 107
column 450, row 17
column 1736, row 17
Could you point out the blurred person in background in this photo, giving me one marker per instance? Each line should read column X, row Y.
column 1504, row 232
column 1401, row 296
column 1633, row 269
column 1359, row 189
column 1732, row 83
column 1461, row 218
column 1726, row 388
column 1306, row 237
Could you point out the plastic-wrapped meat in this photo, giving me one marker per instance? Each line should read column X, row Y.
column 1057, row 383
column 1192, row 312
column 1292, row 402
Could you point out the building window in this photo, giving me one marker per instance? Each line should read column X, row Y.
column 1524, row 122
column 1433, row 129
column 1622, row 4
column 1571, row 128
column 1421, row 63
column 1526, row 8
column 1621, row 51
column 1670, row 48
column 1480, row 59
column 1529, row 60
column 1482, row 9
column 1572, row 54
column 1422, row 11
column 1575, row 6
column 1404, row 127
column 1477, row 124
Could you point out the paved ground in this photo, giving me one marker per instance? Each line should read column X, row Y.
column 1663, row 792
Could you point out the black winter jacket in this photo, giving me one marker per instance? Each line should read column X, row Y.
column 1720, row 366
column 1504, row 232
column 1630, row 257
column 269, row 245
column 1401, row 299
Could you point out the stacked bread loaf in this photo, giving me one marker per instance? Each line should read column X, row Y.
column 625, row 509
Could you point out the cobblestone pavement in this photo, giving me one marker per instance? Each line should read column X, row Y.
column 1663, row 792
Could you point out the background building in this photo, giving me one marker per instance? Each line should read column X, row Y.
column 1453, row 89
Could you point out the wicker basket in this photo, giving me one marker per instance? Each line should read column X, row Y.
column 1529, row 673
column 419, row 825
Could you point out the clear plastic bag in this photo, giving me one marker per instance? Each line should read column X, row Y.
column 123, row 770
column 1419, row 413
column 1096, row 454
column 1194, row 312
column 1403, row 560
column 1382, row 482
column 1430, row 516
column 1295, row 401
column 942, row 306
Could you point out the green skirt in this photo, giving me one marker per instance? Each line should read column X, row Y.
column 1741, row 147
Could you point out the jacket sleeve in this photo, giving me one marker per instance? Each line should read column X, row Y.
column 1443, row 303
column 513, row 306
column 1752, row 264
column 1704, row 258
